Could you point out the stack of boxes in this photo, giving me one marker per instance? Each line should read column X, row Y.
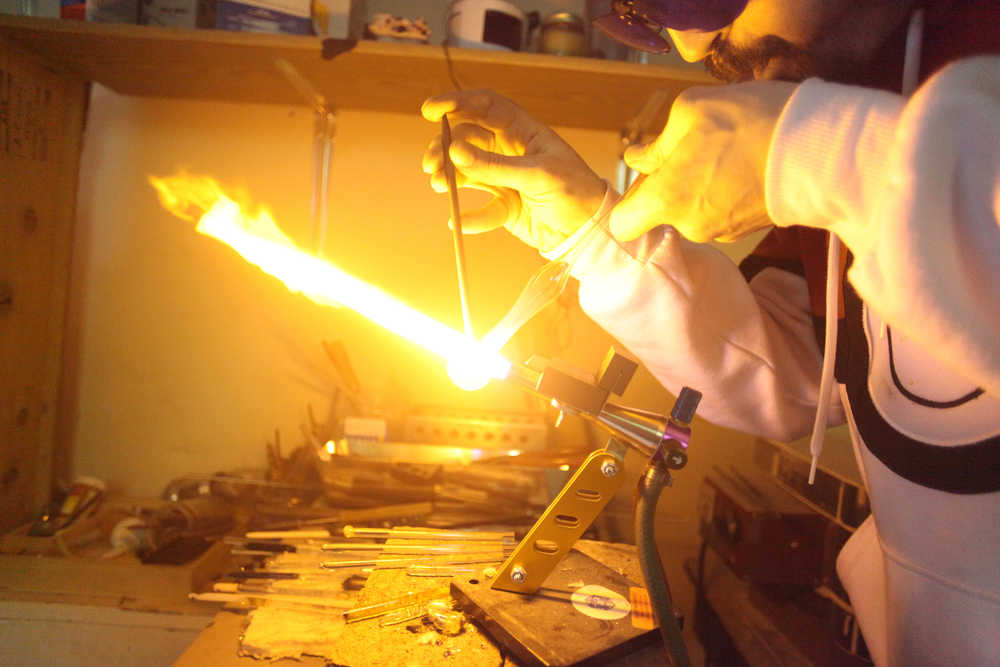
column 326, row 18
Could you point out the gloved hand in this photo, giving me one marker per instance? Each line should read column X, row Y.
column 496, row 146
column 706, row 169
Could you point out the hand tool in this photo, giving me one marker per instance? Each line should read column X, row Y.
column 456, row 225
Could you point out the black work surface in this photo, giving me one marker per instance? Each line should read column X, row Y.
column 545, row 628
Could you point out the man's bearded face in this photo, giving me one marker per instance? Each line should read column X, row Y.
column 772, row 57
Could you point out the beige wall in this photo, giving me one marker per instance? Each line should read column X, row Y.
column 183, row 358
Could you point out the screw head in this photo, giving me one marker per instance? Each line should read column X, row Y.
column 518, row 574
column 609, row 468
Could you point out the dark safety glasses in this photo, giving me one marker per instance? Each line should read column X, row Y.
column 639, row 23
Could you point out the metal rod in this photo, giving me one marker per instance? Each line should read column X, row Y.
column 397, row 563
column 253, row 589
column 418, row 570
column 386, row 606
column 456, row 225
column 310, row 534
column 459, row 548
column 325, row 603
column 428, row 534
column 228, row 479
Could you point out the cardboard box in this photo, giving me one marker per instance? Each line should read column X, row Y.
column 113, row 11
column 178, row 13
column 292, row 17
column 339, row 19
column 275, row 16
column 74, row 10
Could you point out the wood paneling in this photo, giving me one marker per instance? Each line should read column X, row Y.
column 41, row 123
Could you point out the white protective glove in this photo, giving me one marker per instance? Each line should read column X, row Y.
column 545, row 189
column 705, row 172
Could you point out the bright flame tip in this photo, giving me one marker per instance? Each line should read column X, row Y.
column 260, row 241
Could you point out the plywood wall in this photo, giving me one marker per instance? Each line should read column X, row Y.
column 41, row 122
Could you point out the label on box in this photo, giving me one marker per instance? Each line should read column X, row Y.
column 246, row 17
column 113, row 11
column 173, row 13
column 365, row 428
column 301, row 8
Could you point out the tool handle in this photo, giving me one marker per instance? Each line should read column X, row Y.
column 456, row 226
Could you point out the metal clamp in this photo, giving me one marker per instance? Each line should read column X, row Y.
column 585, row 495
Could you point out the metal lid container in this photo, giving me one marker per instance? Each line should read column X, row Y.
column 563, row 34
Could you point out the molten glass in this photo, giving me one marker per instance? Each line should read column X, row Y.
column 259, row 241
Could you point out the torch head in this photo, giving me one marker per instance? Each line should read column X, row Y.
column 645, row 431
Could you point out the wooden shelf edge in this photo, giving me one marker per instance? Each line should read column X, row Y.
column 234, row 66
column 21, row 28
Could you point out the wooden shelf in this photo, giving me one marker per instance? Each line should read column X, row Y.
column 376, row 76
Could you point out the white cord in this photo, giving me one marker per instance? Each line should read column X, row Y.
column 829, row 352
column 911, row 75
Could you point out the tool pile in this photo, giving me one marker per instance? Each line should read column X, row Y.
column 298, row 577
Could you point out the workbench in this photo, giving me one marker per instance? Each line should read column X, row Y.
column 750, row 625
column 89, row 612
column 365, row 643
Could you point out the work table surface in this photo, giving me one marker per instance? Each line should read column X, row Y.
column 365, row 643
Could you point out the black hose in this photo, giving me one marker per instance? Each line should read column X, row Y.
column 651, row 485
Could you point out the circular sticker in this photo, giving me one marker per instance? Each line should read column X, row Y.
column 600, row 602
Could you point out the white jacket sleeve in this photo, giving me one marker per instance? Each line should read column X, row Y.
column 912, row 187
column 687, row 313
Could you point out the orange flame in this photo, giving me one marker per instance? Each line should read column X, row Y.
column 259, row 241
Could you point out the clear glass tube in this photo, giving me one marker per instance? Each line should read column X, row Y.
column 549, row 282
column 446, row 570
column 427, row 534
column 543, row 287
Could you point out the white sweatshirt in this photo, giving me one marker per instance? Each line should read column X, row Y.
column 912, row 187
